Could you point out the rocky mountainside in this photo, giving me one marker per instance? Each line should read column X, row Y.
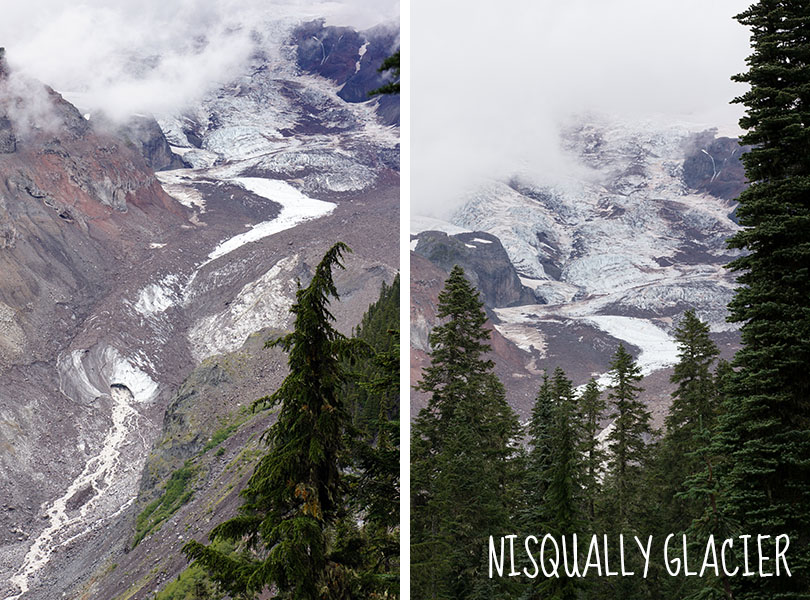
column 615, row 252
column 120, row 273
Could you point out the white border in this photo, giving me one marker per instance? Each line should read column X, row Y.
column 405, row 310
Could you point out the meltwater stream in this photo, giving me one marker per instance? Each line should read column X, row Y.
column 102, row 473
column 111, row 480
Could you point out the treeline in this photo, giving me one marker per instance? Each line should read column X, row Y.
column 587, row 462
column 734, row 457
column 320, row 514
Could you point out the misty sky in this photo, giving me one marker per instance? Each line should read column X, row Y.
column 90, row 46
column 492, row 80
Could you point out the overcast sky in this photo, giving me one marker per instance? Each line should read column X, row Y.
column 89, row 45
column 491, row 80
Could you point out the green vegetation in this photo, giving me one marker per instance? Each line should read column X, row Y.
column 377, row 329
column 389, row 64
column 316, row 515
column 177, row 493
column 466, row 466
column 194, row 583
column 220, row 436
column 462, row 456
column 191, row 584
column 765, row 429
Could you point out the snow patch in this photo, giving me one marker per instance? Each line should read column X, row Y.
column 262, row 303
column 361, row 53
column 157, row 297
column 295, row 209
column 178, row 184
column 525, row 337
column 420, row 224
column 658, row 349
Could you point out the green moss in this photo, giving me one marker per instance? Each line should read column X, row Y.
column 193, row 583
column 220, row 435
column 176, row 494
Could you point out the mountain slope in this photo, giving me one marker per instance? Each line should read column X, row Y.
column 613, row 252
column 150, row 274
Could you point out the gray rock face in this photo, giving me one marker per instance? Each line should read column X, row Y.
column 714, row 166
column 145, row 134
column 485, row 262
column 103, row 280
column 350, row 59
column 8, row 141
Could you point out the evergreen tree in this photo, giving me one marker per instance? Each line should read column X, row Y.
column 765, row 434
column 694, row 401
column 462, row 453
column 295, row 493
column 381, row 318
column 626, row 440
column 562, row 504
column 390, row 64
column 375, row 478
column 682, row 481
column 592, row 407
column 691, row 418
column 538, row 461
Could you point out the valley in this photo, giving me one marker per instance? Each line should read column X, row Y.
column 118, row 281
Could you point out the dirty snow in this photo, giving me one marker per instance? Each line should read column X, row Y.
column 157, row 297
column 420, row 224
column 262, row 303
column 525, row 337
column 113, row 477
column 295, row 209
column 177, row 184
column 659, row 350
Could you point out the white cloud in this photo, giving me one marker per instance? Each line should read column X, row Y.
column 95, row 47
column 491, row 83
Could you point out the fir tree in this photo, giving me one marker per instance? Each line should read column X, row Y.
column 626, row 440
column 562, row 504
column 691, row 418
column 538, row 461
column 462, row 452
column 682, row 481
column 295, row 493
column 592, row 407
column 390, row 64
column 375, row 477
column 381, row 318
column 694, row 401
column 765, row 434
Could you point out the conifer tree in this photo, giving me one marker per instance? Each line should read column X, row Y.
column 538, row 461
column 295, row 493
column 389, row 65
column 690, row 420
column 375, row 485
column 562, row 503
column 462, row 452
column 592, row 407
column 626, row 440
column 765, row 434
column 681, row 476
column 694, row 401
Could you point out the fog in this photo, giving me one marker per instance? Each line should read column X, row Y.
column 154, row 56
column 493, row 83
